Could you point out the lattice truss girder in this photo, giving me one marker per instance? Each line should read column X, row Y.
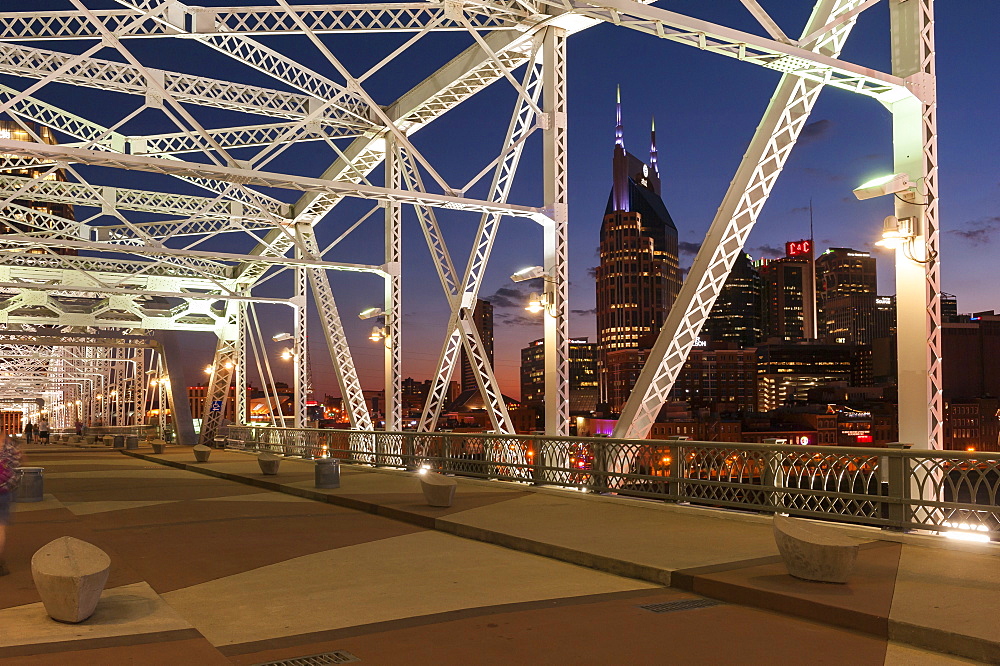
column 177, row 19
column 78, row 376
column 230, row 163
column 773, row 141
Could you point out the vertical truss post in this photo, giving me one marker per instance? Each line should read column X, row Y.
column 772, row 143
column 393, row 286
column 176, row 390
column 140, row 382
column 162, row 399
column 918, row 280
column 555, row 242
column 241, row 363
column 223, row 367
column 300, row 357
column 336, row 340
column 121, row 386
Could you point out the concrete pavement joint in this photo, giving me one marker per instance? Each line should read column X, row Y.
column 882, row 627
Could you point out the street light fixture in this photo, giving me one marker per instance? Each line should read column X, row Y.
column 897, row 182
column 281, row 337
column 286, row 354
column 896, row 232
column 540, row 303
column 371, row 313
column 530, row 273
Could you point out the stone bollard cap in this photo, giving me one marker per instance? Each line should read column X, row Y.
column 69, row 556
column 201, row 447
column 268, row 456
column 435, row 479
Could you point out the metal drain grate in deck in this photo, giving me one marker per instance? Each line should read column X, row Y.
column 324, row 659
column 682, row 605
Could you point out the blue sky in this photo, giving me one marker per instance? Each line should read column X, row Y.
column 706, row 108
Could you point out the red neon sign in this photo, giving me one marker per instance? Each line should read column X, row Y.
column 799, row 248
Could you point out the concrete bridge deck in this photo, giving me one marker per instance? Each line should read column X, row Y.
column 215, row 563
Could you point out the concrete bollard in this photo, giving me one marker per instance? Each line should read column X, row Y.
column 268, row 464
column 158, row 446
column 202, row 452
column 118, row 441
column 132, row 442
column 69, row 575
column 439, row 490
column 30, row 484
column 328, row 473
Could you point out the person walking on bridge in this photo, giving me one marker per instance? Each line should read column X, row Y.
column 43, row 431
column 10, row 460
column 29, row 433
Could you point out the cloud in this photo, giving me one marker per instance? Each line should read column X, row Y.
column 509, row 297
column 514, row 318
column 592, row 272
column 979, row 232
column 767, row 250
column 591, row 311
column 799, row 209
column 685, row 247
column 815, row 131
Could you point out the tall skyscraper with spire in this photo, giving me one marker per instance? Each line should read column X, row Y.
column 638, row 277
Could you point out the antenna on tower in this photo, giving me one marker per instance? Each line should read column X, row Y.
column 652, row 146
column 619, row 130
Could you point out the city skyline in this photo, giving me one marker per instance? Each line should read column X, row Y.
column 847, row 141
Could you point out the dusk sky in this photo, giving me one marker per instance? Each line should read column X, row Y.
column 706, row 108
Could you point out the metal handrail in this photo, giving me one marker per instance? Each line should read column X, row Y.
column 894, row 488
column 121, row 430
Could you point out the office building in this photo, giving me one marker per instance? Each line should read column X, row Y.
column 26, row 216
column 787, row 371
column 482, row 319
column 971, row 350
column 789, row 294
column 638, row 276
column 720, row 376
column 846, row 294
column 583, row 388
column 736, row 315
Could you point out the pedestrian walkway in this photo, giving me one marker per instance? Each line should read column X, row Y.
column 215, row 563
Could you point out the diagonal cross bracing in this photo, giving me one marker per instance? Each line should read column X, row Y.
column 762, row 163
column 114, row 76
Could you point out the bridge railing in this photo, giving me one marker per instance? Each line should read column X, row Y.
column 896, row 488
column 139, row 430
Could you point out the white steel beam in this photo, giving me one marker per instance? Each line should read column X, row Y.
column 34, row 63
column 180, row 19
column 918, row 263
column 815, row 65
column 336, row 340
column 556, row 248
column 392, row 303
column 262, row 178
column 463, row 302
column 772, row 143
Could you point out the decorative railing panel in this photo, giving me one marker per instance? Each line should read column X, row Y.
column 892, row 487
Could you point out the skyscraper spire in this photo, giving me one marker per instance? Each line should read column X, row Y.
column 652, row 147
column 619, row 130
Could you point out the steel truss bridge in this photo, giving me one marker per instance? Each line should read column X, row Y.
column 90, row 305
